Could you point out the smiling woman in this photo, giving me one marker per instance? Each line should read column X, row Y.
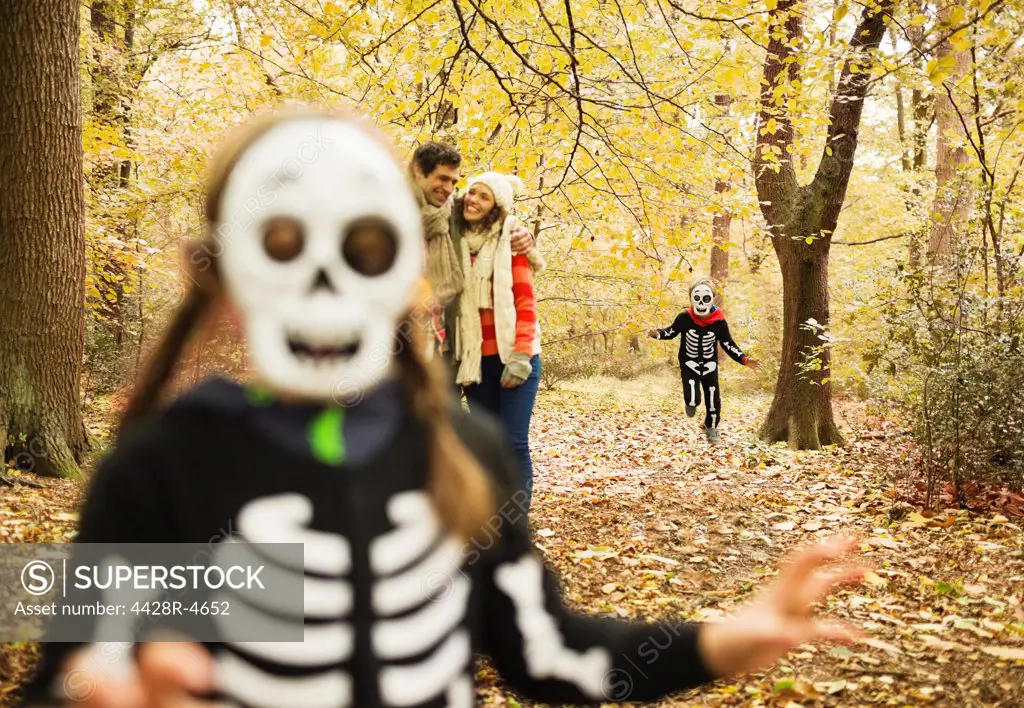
column 497, row 337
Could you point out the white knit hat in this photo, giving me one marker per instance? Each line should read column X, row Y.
column 505, row 188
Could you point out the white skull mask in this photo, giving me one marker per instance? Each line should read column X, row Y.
column 322, row 248
column 701, row 299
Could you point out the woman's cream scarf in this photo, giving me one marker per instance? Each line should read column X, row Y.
column 493, row 250
column 444, row 272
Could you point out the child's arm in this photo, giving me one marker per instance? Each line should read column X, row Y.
column 732, row 349
column 550, row 654
column 670, row 332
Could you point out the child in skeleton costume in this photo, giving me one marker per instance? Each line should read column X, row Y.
column 389, row 493
column 703, row 329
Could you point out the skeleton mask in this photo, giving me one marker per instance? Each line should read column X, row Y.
column 322, row 248
column 701, row 298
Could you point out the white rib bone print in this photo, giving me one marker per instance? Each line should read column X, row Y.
column 421, row 596
column 708, row 342
column 284, row 519
column 431, row 577
column 692, row 344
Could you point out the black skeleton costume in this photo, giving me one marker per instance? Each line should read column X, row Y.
column 395, row 606
column 703, row 329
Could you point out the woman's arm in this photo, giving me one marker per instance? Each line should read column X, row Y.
column 526, row 304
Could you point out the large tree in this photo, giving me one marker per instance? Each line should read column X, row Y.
column 803, row 218
column 42, row 259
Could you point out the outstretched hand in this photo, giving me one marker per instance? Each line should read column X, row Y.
column 753, row 363
column 782, row 617
column 652, row 333
column 168, row 675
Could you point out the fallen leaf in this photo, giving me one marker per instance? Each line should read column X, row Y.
column 1011, row 653
column 660, row 559
column 879, row 644
column 841, row 652
column 833, row 687
column 942, row 644
column 875, row 579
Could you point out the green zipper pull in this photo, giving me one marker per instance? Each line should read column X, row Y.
column 326, row 438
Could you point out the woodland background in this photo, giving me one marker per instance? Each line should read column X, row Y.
column 849, row 172
column 871, row 247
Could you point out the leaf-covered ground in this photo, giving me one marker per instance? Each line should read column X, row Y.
column 643, row 519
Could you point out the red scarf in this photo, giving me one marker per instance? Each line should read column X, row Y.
column 715, row 316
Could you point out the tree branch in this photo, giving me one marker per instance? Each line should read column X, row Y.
column 905, row 234
column 830, row 181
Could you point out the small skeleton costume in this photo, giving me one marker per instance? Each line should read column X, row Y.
column 395, row 604
column 703, row 329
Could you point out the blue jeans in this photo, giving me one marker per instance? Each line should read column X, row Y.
column 513, row 406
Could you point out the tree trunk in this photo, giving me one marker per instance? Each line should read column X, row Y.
column 906, row 156
column 720, row 225
column 952, row 188
column 801, row 412
column 634, row 345
column 920, row 105
column 104, row 179
column 720, row 248
column 104, row 72
column 41, row 225
column 920, row 102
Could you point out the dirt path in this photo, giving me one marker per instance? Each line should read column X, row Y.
column 642, row 519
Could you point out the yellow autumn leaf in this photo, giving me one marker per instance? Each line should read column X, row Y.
column 875, row 579
column 732, row 77
column 960, row 41
column 939, row 69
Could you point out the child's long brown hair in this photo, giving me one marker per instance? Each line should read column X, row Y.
column 458, row 486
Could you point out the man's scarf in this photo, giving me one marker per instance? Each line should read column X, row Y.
column 444, row 270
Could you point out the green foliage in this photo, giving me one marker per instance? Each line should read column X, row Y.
column 954, row 361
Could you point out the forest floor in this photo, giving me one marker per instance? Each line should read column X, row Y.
column 641, row 518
